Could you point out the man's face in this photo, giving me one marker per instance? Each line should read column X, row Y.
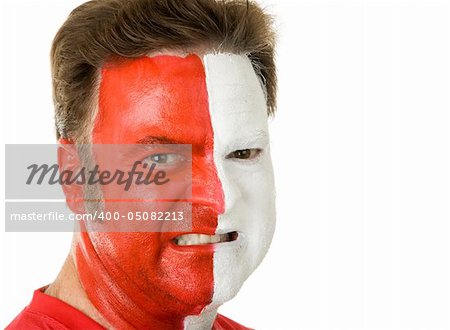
column 216, row 104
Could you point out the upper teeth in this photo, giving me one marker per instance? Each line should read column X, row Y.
column 196, row 239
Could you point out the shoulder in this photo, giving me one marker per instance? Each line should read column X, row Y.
column 47, row 312
column 33, row 320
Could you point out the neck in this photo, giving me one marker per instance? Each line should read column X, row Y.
column 67, row 287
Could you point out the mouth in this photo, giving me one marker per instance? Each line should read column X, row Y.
column 202, row 239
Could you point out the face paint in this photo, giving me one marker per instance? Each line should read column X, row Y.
column 239, row 119
column 144, row 280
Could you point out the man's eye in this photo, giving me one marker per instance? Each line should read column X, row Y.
column 245, row 154
column 165, row 159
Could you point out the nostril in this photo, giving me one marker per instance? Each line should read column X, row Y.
column 214, row 206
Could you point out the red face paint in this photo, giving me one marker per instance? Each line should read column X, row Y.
column 143, row 280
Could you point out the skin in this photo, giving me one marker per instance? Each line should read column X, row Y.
column 216, row 104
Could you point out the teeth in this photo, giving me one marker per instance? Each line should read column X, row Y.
column 198, row 239
column 204, row 239
column 215, row 239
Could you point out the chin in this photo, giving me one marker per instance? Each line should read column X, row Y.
column 233, row 265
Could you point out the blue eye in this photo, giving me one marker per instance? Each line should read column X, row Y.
column 159, row 158
column 165, row 159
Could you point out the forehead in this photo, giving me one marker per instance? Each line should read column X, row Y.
column 175, row 97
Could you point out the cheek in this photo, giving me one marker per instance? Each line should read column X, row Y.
column 115, row 251
column 255, row 209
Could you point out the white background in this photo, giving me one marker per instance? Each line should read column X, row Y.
column 361, row 149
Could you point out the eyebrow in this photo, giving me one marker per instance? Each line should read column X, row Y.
column 153, row 140
column 257, row 138
column 149, row 139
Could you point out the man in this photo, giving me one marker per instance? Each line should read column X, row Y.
column 197, row 72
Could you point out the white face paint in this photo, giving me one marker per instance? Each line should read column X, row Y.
column 239, row 119
column 238, row 113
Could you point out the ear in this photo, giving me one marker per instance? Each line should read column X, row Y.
column 70, row 164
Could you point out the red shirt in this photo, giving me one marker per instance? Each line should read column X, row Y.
column 49, row 313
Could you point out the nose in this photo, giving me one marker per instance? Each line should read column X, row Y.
column 206, row 185
column 230, row 188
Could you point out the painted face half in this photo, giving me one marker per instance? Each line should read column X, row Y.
column 216, row 104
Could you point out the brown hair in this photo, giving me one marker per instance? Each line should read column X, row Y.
column 99, row 31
